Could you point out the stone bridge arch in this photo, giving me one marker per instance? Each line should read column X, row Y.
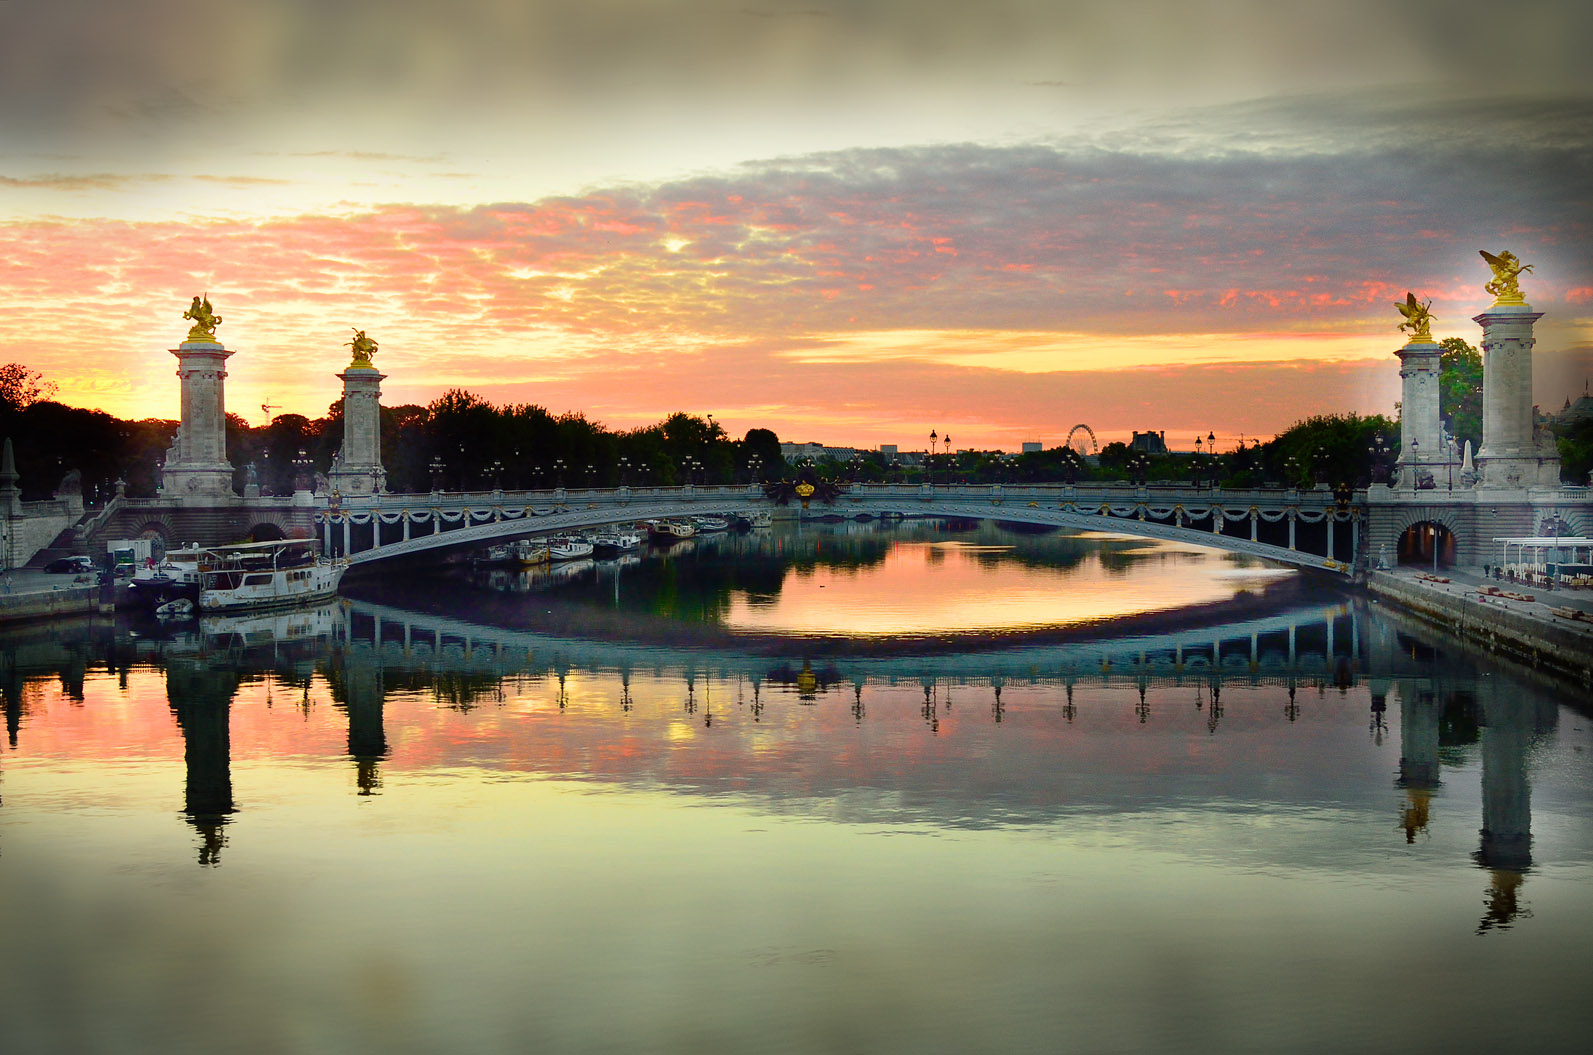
column 1423, row 534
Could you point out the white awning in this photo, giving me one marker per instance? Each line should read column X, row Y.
column 1548, row 540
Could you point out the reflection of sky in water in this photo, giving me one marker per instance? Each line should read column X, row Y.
column 422, row 855
column 934, row 587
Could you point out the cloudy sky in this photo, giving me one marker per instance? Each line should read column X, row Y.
column 850, row 222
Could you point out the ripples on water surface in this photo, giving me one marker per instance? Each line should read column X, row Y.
column 380, row 827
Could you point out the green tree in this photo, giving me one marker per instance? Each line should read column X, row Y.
column 1576, row 452
column 1331, row 447
column 1460, row 391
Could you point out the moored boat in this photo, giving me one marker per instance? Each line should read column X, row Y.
column 266, row 575
column 669, row 530
column 568, row 547
column 174, row 576
column 502, row 553
column 529, row 552
column 617, row 540
column 708, row 524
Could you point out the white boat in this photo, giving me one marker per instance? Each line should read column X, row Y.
column 568, row 547
column 266, row 575
column 759, row 519
column 708, row 524
column 180, row 608
column 617, row 540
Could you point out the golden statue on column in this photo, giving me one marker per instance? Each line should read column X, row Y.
column 1418, row 320
column 204, row 320
column 364, row 347
column 1507, row 268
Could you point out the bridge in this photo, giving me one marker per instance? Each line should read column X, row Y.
column 1514, row 489
column 1306, row 529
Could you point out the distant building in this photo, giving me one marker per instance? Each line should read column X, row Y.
column 887, row 451
column 1575, row 413
column 1032, row 447
column 1149, row 442
column 793, row 452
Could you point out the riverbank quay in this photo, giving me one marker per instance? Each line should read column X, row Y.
column 27, row 594
column 1553, row 630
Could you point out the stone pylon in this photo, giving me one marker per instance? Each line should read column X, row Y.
column 1515, row 453
column 196, row 465
column 10, row 493
column 357, row 468
column 1423, row 452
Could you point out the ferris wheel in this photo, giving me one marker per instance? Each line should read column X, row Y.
column 1077, row 440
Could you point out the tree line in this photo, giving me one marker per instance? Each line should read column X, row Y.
column 462, row 442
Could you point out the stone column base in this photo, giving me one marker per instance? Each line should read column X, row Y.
column 358, row 480
column 206, row 481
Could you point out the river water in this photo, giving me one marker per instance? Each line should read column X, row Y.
column 822, row 788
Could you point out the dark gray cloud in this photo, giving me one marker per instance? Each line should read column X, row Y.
column 191, row 69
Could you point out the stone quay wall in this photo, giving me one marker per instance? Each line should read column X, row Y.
column 67, row 600
column 1549, row 642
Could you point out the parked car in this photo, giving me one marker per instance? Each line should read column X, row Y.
column 72, row 566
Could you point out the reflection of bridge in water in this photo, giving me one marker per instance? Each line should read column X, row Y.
column 364, row 652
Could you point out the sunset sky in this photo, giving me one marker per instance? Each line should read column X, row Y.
column 849, row 222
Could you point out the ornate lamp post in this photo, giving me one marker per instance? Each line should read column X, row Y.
column 558, row 472
column 929, row 462
column 497, row 474
column 1211, row 456
column 436, row 473
column 1070, row 465
column 1199, row 444
column 1291, row 472
column 302, row 475
column 1449, row 455
column 1320, row 458
column 1378, row 454
column 624, row 470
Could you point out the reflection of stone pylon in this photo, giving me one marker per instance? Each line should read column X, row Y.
column 1506, row 835
column 1505, row 841
column 201, row 701
column 363, row 691
column 1502, row 901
